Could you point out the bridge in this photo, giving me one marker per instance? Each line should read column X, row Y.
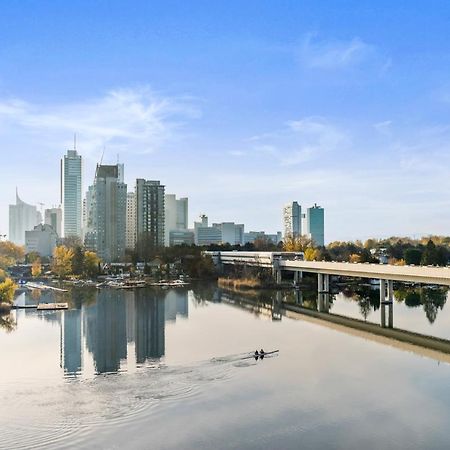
column 280, row 262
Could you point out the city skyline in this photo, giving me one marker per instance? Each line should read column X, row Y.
column 254, row 113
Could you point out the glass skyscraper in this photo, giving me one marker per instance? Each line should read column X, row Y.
column 71, row 167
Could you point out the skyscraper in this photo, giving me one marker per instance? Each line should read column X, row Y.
column 106, row 204
column 53, row 217
column 22, row 217
column 176, row 215
column 292, row 219
column 150, row 217
column 315, row 224
column 71, row 185
column 131, row 221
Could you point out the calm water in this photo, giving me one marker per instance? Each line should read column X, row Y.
column 168, row 369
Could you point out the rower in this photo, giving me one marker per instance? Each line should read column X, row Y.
column 261, row 353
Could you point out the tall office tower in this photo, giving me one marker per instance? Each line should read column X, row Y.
column 22, row 217
column 53, row 217
column 150, row 220
column 71, row 167
column 315, row 224
column 292, row 218
column 176, row 215
column 106, row 208
column 131, row 221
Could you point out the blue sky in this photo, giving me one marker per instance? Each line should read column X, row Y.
column 240, row 105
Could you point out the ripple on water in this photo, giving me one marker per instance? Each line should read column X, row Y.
column 52, row 416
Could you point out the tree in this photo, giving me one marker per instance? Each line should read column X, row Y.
column 36, row 268
column 62, row 261
column 91, row 263
column 413, row 255
column 430, row 255
column 78, row 261
column 7, row 290
column 10, row 254
column 311, row 254
column 32, row 257
column 293, row 243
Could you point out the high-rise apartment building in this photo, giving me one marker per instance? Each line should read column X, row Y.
column 131, row 221
column 22, row 217
column 53, row 217
column 71, row 185
column 106, row 207
column 176, row 215
column 150, row 217
column 315, row 224
column 292, row 219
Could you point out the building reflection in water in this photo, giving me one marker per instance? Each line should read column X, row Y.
column 118, row 319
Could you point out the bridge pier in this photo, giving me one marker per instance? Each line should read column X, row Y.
column 323, row 302
column 386, row 303
column 298, row 276
column 323, row 282
column 278, row 276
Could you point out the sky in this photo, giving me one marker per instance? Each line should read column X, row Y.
column 242, row 106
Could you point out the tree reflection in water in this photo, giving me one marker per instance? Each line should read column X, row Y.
column 432, row 300
column 8, row 323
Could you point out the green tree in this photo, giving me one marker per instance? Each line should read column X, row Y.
column 430, row 255
column 78, row 261
column 413, row 255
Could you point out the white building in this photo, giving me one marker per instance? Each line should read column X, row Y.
column 130, row 239
column 232, row 233
column 53, row 217
column 22, row 217
column 220, row 233
column 42, row 240
column 71, row 185
column 292, row 219
column 176, row 215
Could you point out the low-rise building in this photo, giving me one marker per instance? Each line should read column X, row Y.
column 41, row 240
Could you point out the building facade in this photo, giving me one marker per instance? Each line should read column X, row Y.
column 71, row 186
column 22, row 217
column 42, row 240
column 53, row 217
column 130, row 240
column 292, row 219
column 176, row 215
column 150, row 214
column 315, row 224
column 232, row 233
column 106, row 204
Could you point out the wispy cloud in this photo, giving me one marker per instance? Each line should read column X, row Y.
column 319, row 54
column 124, row 120
column 300, row 141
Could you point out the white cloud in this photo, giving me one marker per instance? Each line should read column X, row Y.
column 327, row 55
column 124, row 120
column 300, row 141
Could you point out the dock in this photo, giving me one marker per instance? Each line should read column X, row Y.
column 51, row 306
column 44, row 287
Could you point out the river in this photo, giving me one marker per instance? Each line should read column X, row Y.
column 169, row 369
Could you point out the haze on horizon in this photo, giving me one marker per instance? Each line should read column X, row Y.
column 242, row 107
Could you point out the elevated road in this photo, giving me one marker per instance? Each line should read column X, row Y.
column 285, row 261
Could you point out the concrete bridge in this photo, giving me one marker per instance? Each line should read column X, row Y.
column 280, row 262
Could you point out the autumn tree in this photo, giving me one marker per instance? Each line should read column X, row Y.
column 62, row 261
column 293, row 243
column 7, row 290
column 36, row 268
column 311, row 254
column 91, row 263
column 10, row 254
